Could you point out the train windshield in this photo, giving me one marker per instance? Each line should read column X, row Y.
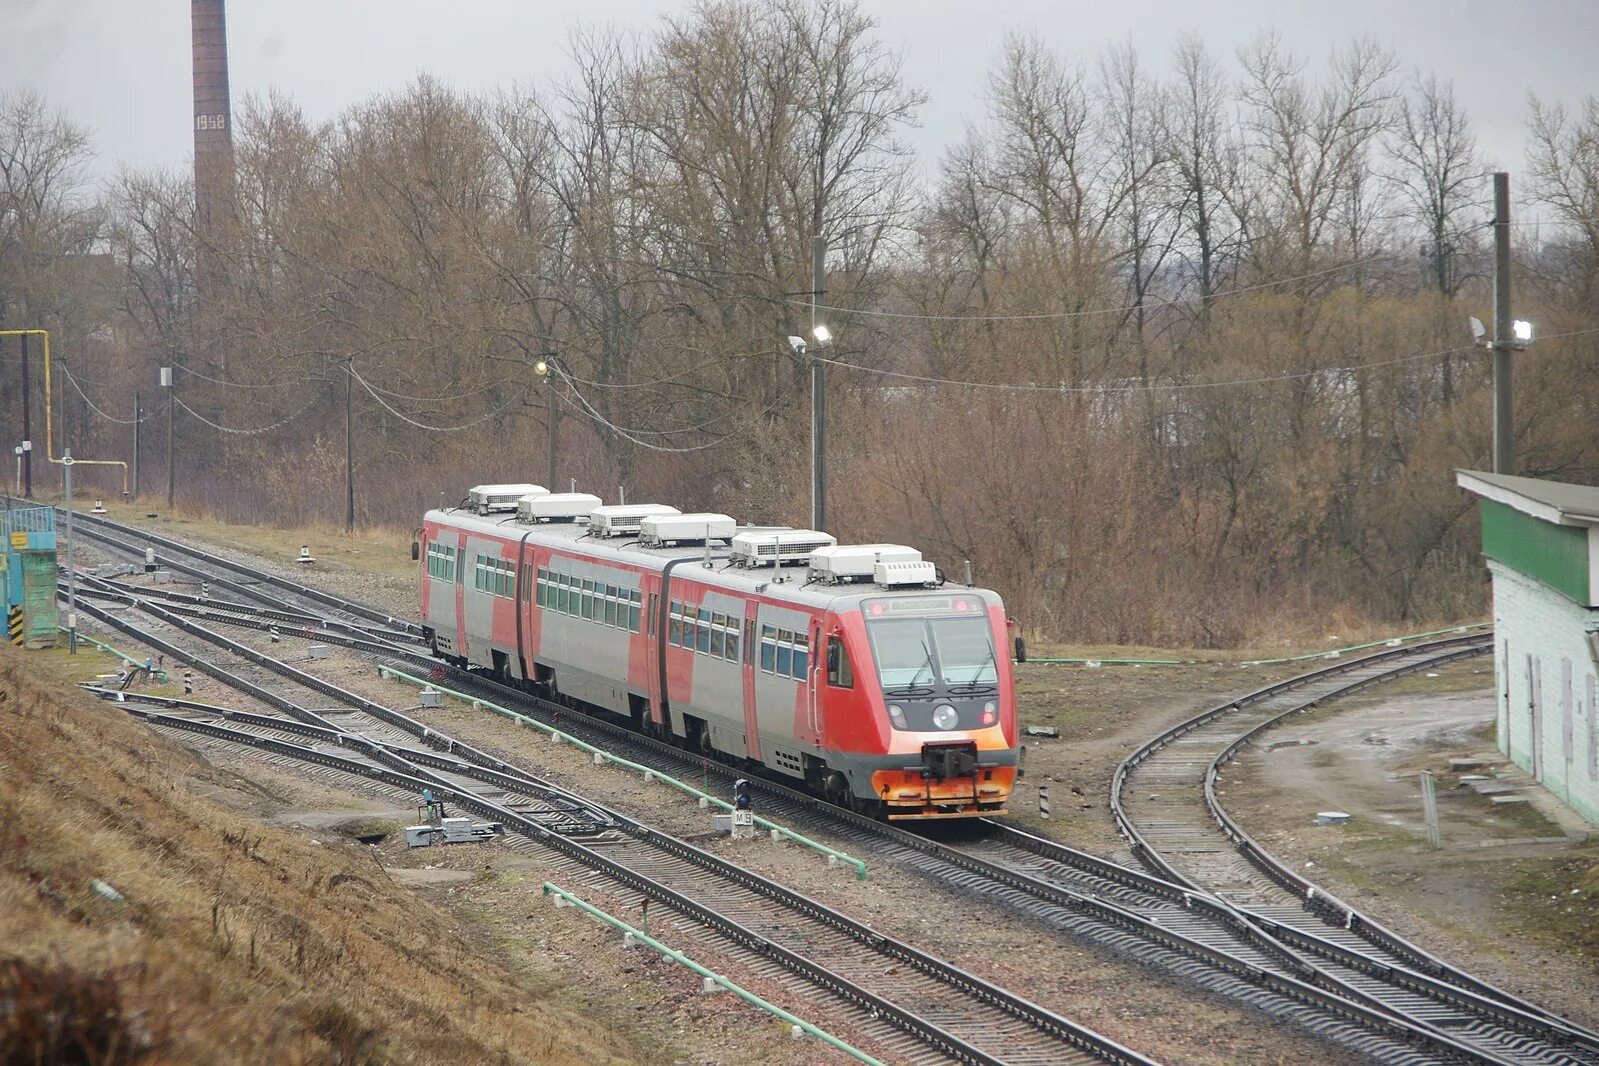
column 921, row 651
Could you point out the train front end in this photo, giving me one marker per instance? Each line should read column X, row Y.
column 931, row 730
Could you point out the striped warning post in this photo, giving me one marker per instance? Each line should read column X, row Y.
column 1043, row 802
column 14, row 625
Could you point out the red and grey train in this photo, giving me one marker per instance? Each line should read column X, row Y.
column 853, row 669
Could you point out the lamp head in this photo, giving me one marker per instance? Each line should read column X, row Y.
column 798, row 344
column 823, row 335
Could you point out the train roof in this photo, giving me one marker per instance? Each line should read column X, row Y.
column 785, row 582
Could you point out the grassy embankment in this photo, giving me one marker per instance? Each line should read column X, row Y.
column 235, row 943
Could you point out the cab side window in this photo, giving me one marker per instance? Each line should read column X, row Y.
column 840, row 674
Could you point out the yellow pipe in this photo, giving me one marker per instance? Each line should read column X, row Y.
column 49, row 433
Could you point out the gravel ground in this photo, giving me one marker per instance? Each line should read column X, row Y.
column 1103, row 715
column 1125, row 1000
column 1461, row 901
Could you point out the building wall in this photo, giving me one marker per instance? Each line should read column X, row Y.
column 1548, row 687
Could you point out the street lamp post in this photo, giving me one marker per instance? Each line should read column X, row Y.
column 542, row 368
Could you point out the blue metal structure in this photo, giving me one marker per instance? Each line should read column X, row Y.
column 28, row 575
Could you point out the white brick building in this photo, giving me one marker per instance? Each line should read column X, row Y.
column 1541, row 539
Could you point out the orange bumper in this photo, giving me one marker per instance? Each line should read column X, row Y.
column 908, row 795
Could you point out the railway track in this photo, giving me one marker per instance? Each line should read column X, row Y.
column 1166, row 802
column 290, row 601
column 1404, row 1006
column 948, row 1013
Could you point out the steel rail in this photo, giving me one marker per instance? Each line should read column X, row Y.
column 1273, row 938
column 829, row 981
column 1420, row 971
column 1298, row 980
column 254, row 573
column 1047, row 1022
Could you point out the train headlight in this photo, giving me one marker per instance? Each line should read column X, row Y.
column 990, row 712
column 945, row 716
column 897, row 713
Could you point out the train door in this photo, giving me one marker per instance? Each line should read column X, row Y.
column 813, row 688
column 654, row 623
column 752, row 731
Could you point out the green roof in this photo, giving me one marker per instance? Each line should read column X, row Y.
column 1559, row 502
column 1547, row 530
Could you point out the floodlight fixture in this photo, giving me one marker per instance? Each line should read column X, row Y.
column 541, row 368
column 1479, row 332
column 823, row 335
column 798, row 344
column 1522, row 329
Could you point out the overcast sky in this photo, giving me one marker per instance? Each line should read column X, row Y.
column 121, row 67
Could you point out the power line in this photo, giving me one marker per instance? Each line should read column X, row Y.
column 628, row 434
column 1175, row 386
column 402, row 416
column 441, row 399
column 244, row 384
column 73, row 381
column 1054, row 315
column 245, row 432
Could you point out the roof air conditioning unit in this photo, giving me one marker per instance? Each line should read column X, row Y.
column 762, row 547
column 890, row 575
column 855, row 562
column 556, row 507
column 488, row 499
column 622, row 519
column 665, row 530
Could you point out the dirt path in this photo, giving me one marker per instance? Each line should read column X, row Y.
column 1503, row 894
column 1104, row 714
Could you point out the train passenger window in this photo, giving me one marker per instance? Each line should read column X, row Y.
column 674, row 626
column 702, row 632
column 785, row 652
column 637, row 598
column 718, row 634
column 768, row 649
column 802, row 656
column 731, row 654
column 562, row 594
column 840, row 673
column 610, row 605
column 544, row 587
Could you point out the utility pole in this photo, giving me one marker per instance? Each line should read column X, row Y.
column 349, row 445
column 549, row 421
column 1504, row 337
column 170, row 381
column 818, row 388
column 72, row 574
column 138, row 417
column 27, row 425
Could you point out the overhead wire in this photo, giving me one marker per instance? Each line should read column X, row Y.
column 73, row 381
column 244, row 384
column 1064, row 389
column 1124, row 309
column 245, row 432
column 402, row 416
column 628, row 434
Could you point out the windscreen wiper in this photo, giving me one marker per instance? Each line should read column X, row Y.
column 973, row 681
column 927, row 664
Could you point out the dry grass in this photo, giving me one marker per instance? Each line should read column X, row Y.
column 374, row 548
column 234, row 943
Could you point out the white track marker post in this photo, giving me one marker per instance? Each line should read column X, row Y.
column 1043, row 802
column 1429, row 807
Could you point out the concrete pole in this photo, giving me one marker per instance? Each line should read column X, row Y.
column 27, row 425
column 172, row 393
column 818, row 388
column 138, row 417
column 349, row 445
column 1504, row 338
column 550, row 428
column 72, row 579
